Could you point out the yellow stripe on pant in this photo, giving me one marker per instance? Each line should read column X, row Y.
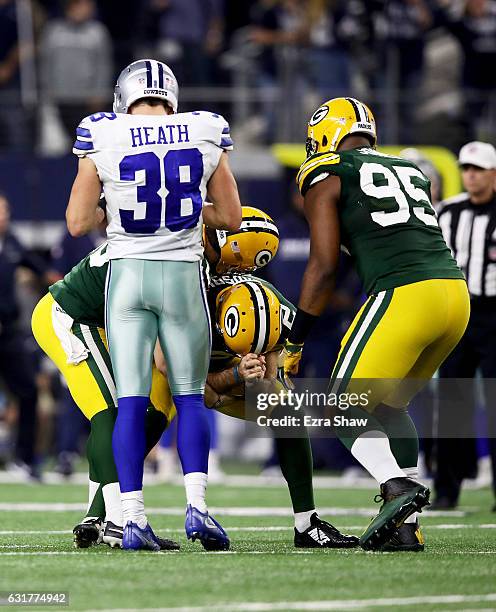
column 83, row 385
column 402, row 334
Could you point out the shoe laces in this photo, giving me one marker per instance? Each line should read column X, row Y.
column 322, row 523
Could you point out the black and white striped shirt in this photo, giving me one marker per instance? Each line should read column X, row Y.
column 470, row 232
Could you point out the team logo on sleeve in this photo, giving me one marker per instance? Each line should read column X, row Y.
column 318, row 115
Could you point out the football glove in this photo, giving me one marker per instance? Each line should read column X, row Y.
column 289, row 358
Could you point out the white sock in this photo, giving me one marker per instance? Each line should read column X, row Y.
column 302, row 520
column 372, row 450
column 411, row 472
column 92, row 489
column 195, row 484
column 113, row 505
column 133, row 508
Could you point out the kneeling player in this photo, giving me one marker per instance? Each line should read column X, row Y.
column 230, row 256
column 68, row 325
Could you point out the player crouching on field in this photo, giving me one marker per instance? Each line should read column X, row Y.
column 68, row 324
column 250, row 321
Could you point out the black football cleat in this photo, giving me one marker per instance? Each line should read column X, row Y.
column 401, row 498
column 87, row 533
column 322, row 534
column 408, row 538
column 167, row 544
column 112, row 535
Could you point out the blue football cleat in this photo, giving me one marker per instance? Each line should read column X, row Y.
column 205, row 528
column 135, row 538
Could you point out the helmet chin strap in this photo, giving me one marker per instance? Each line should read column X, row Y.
column 335, row 140
column 212, row 244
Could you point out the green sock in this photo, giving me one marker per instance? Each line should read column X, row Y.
column 97, row 506
column 100, row 452
column 155, row 425
column 102, row 455
column 295, row 459
column 92, row 468
column 402, row 434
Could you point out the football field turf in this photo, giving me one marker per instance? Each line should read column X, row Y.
column 263, row 571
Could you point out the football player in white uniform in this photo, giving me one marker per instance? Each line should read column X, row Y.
column 156, row 167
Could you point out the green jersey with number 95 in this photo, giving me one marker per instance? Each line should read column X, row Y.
column 387, row 222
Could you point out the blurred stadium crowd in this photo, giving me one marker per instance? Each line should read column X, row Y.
column 426, row 67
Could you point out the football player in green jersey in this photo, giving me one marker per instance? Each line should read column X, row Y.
column 232, row 256
column 252, row 353
column 68, row 324
column 378, row 208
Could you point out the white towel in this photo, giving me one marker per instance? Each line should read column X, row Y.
column 72, row 345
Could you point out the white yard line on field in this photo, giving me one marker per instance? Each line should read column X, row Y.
column 37, row 532
column 10, row 546
column 232, row 511
column 249, row 529
column 146, row 552
column 314, row 551
column 235, row 480
column 232, row 480
column 336, row 604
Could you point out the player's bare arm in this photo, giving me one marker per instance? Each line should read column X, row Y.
column 83, row 213
column 321, row 212
column 322, row 215
column 211, row 396
column 224, row 381
column 271, row 364
column 224, row 211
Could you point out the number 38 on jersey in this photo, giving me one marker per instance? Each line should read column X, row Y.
column 155, row 170
column 173, row 180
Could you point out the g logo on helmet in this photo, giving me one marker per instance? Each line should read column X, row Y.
column 262, row 258
column 318, row 115
column 231, row 321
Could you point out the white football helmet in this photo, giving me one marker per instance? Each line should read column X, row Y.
column 145, row 78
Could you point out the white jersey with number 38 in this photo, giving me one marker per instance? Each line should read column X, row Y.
column 154, row 170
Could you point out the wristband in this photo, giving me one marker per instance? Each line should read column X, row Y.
column 237, row 377
column 301, row 327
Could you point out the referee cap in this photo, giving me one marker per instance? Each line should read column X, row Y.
column 480, row 154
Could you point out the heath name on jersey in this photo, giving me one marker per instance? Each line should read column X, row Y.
column 155, row 171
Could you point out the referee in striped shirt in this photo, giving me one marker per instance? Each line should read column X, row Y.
column 468, row 223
